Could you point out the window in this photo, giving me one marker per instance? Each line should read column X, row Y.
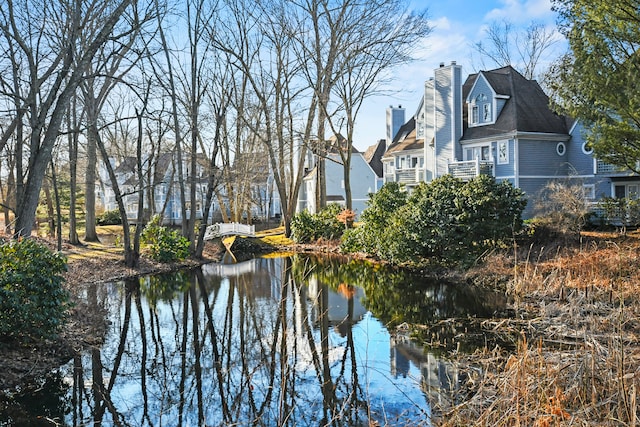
column 589, row 191
column 503, row 152
column 474, row 115
column 483, row 153
column 630, row 191
column 561, row 149
column 586, row 148
column 486, row 113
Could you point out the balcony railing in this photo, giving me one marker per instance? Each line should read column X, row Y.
column 603, row 168
column 470, row 169
column 405, row 176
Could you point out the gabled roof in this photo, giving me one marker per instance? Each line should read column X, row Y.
column 374, row 154
column 405, row 139
column 526, row 108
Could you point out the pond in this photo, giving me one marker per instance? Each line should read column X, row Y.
column 275, row 341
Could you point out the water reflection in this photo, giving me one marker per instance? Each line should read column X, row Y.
column 267, row 342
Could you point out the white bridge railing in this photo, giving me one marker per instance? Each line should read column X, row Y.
column 229, row 229
column 230, row 270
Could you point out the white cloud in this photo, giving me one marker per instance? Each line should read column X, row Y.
column 518, row 11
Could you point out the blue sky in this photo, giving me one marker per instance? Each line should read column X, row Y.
column 457, row 25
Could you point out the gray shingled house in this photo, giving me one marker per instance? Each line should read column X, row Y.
column 497, row 122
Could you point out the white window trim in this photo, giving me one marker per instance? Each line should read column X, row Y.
column 561, row 149
column 503, row 160
column 586, row 151
column 589, row 191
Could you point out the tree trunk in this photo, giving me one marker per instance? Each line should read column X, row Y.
column 56, row 195
column 90, row 234
column 131, row 258
column 73, row 167
column 51, row 220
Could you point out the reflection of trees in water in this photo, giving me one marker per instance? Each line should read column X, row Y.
column 197, row 352
column 273, row 345
column 46, row 397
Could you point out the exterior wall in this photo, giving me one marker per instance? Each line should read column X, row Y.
column 447, row 116
column 499, row 106
column 504, row 170
column 395, row 119
column 582, row 163
column 540, row 159
column 531, row 188
column 363, row 182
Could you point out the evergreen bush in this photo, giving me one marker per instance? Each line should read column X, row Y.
column 370, row 237
column 33, row 302
column 446, row 220
column 109, row 218
column 306, row 227
column 164, row 245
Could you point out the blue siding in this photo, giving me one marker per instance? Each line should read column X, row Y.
column 603, row 188
column 539, row 158
column 581, row 163
column 507, row 169
column 531, row 188
column 500, row 106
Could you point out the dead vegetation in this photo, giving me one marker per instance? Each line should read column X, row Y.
column 576, row 324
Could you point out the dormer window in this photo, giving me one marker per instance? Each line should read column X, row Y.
column 480, row 110
column 475, row 118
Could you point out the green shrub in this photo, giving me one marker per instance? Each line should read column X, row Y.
column 306, row 227
column 328, row 224
column 33, row 302
column 446, row 220
column 109, row 218
column 303, row 227
column 369, row 237
column 164, row 245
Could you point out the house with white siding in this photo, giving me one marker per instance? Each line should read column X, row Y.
column 497, row 122
column 364, row 179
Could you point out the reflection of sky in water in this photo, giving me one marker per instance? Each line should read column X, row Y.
column 173, row 385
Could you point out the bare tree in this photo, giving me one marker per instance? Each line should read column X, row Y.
column 525, row 50
column 385, row 37
column 55, row 64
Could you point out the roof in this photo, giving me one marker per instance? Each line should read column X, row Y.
column 526, row 109
column 405, row 139
column 373, row 156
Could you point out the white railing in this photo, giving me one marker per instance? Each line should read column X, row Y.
column 229, row 270
column 470, row 169
column 603, row 168
column 405, row 176
column 229, row 229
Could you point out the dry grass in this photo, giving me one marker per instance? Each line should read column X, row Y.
column 578, row 357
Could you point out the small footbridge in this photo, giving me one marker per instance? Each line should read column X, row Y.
column 223, row 229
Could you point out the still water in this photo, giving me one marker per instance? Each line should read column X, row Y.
column 278, row 341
